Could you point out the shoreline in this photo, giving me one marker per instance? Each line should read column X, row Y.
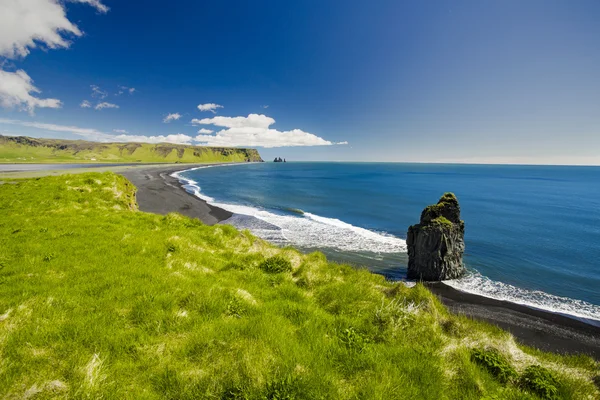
column 159, row 192
column 544, row 330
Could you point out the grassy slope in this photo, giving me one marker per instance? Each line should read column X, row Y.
column 29, row 150
column 98, row 299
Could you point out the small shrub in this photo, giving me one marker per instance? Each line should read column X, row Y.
column 284, row 388
column 171, row 248
column 233, row 265
column 353, row 339
column 235, row 308
column 49, row 257
column 494, row 363
column 540, row 381
column 276, row 264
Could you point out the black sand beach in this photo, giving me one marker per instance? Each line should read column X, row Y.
column 536, row 328
column 160, row 193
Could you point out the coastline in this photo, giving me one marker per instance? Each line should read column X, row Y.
column 159, row 192
column 544, row 330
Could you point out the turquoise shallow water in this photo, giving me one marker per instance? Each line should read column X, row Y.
column 532, row 232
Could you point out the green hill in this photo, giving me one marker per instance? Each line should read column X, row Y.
column 23, row 149
column 100, row 300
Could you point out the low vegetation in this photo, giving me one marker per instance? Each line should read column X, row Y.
column 22, row 149
column 99, row 300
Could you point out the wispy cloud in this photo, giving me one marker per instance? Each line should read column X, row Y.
column 85, row 104
column 120, row 131
column 97, row 135
column 205, row 131
column 89, row 133
column 103, row 105
column 17, row 91
column 94, row 3
column 123, row 89
column 178, row 138
column 97, row 92
column 212, row 107
column 171, row 117
column 254, row 130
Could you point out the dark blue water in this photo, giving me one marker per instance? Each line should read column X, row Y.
column 532, row 232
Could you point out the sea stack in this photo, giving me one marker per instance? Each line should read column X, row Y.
column 436, row 245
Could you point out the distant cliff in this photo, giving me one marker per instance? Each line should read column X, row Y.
column 436, row 245
column 23, row 149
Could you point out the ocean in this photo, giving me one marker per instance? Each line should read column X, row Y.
column 532, row 232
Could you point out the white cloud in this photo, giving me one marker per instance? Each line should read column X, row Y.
column 171, row 117
column 16, row 89
column 251, row 121
column 85, row 104
column 123, row 89
column 254, row 131
column 102, row 105
column 120, row 131
column 205, row 131
column 265, row 106
column 178, row 138
column 250, row 136
column 94, row 3
column 24, row 24
column 97, row 92
column 212, row 107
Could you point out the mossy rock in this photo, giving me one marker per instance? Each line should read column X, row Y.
column 447, row 207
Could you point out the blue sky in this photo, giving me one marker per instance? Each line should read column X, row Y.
column 431, row 81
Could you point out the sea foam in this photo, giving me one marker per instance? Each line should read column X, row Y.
column 476, row 283
column 304, row 230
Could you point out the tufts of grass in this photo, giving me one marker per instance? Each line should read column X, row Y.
column 495, row 363
column 276, row 264
column 541, row 381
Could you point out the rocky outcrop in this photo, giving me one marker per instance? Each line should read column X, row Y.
column 436, row 245
column 279, row 159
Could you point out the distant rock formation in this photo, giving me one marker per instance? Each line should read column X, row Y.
column 279, row 159
column 436, row 245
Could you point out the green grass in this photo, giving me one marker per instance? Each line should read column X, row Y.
column 99, row 300
column 29, row 150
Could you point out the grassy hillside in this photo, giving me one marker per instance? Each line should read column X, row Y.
column 99, row 300
column 22, row 149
